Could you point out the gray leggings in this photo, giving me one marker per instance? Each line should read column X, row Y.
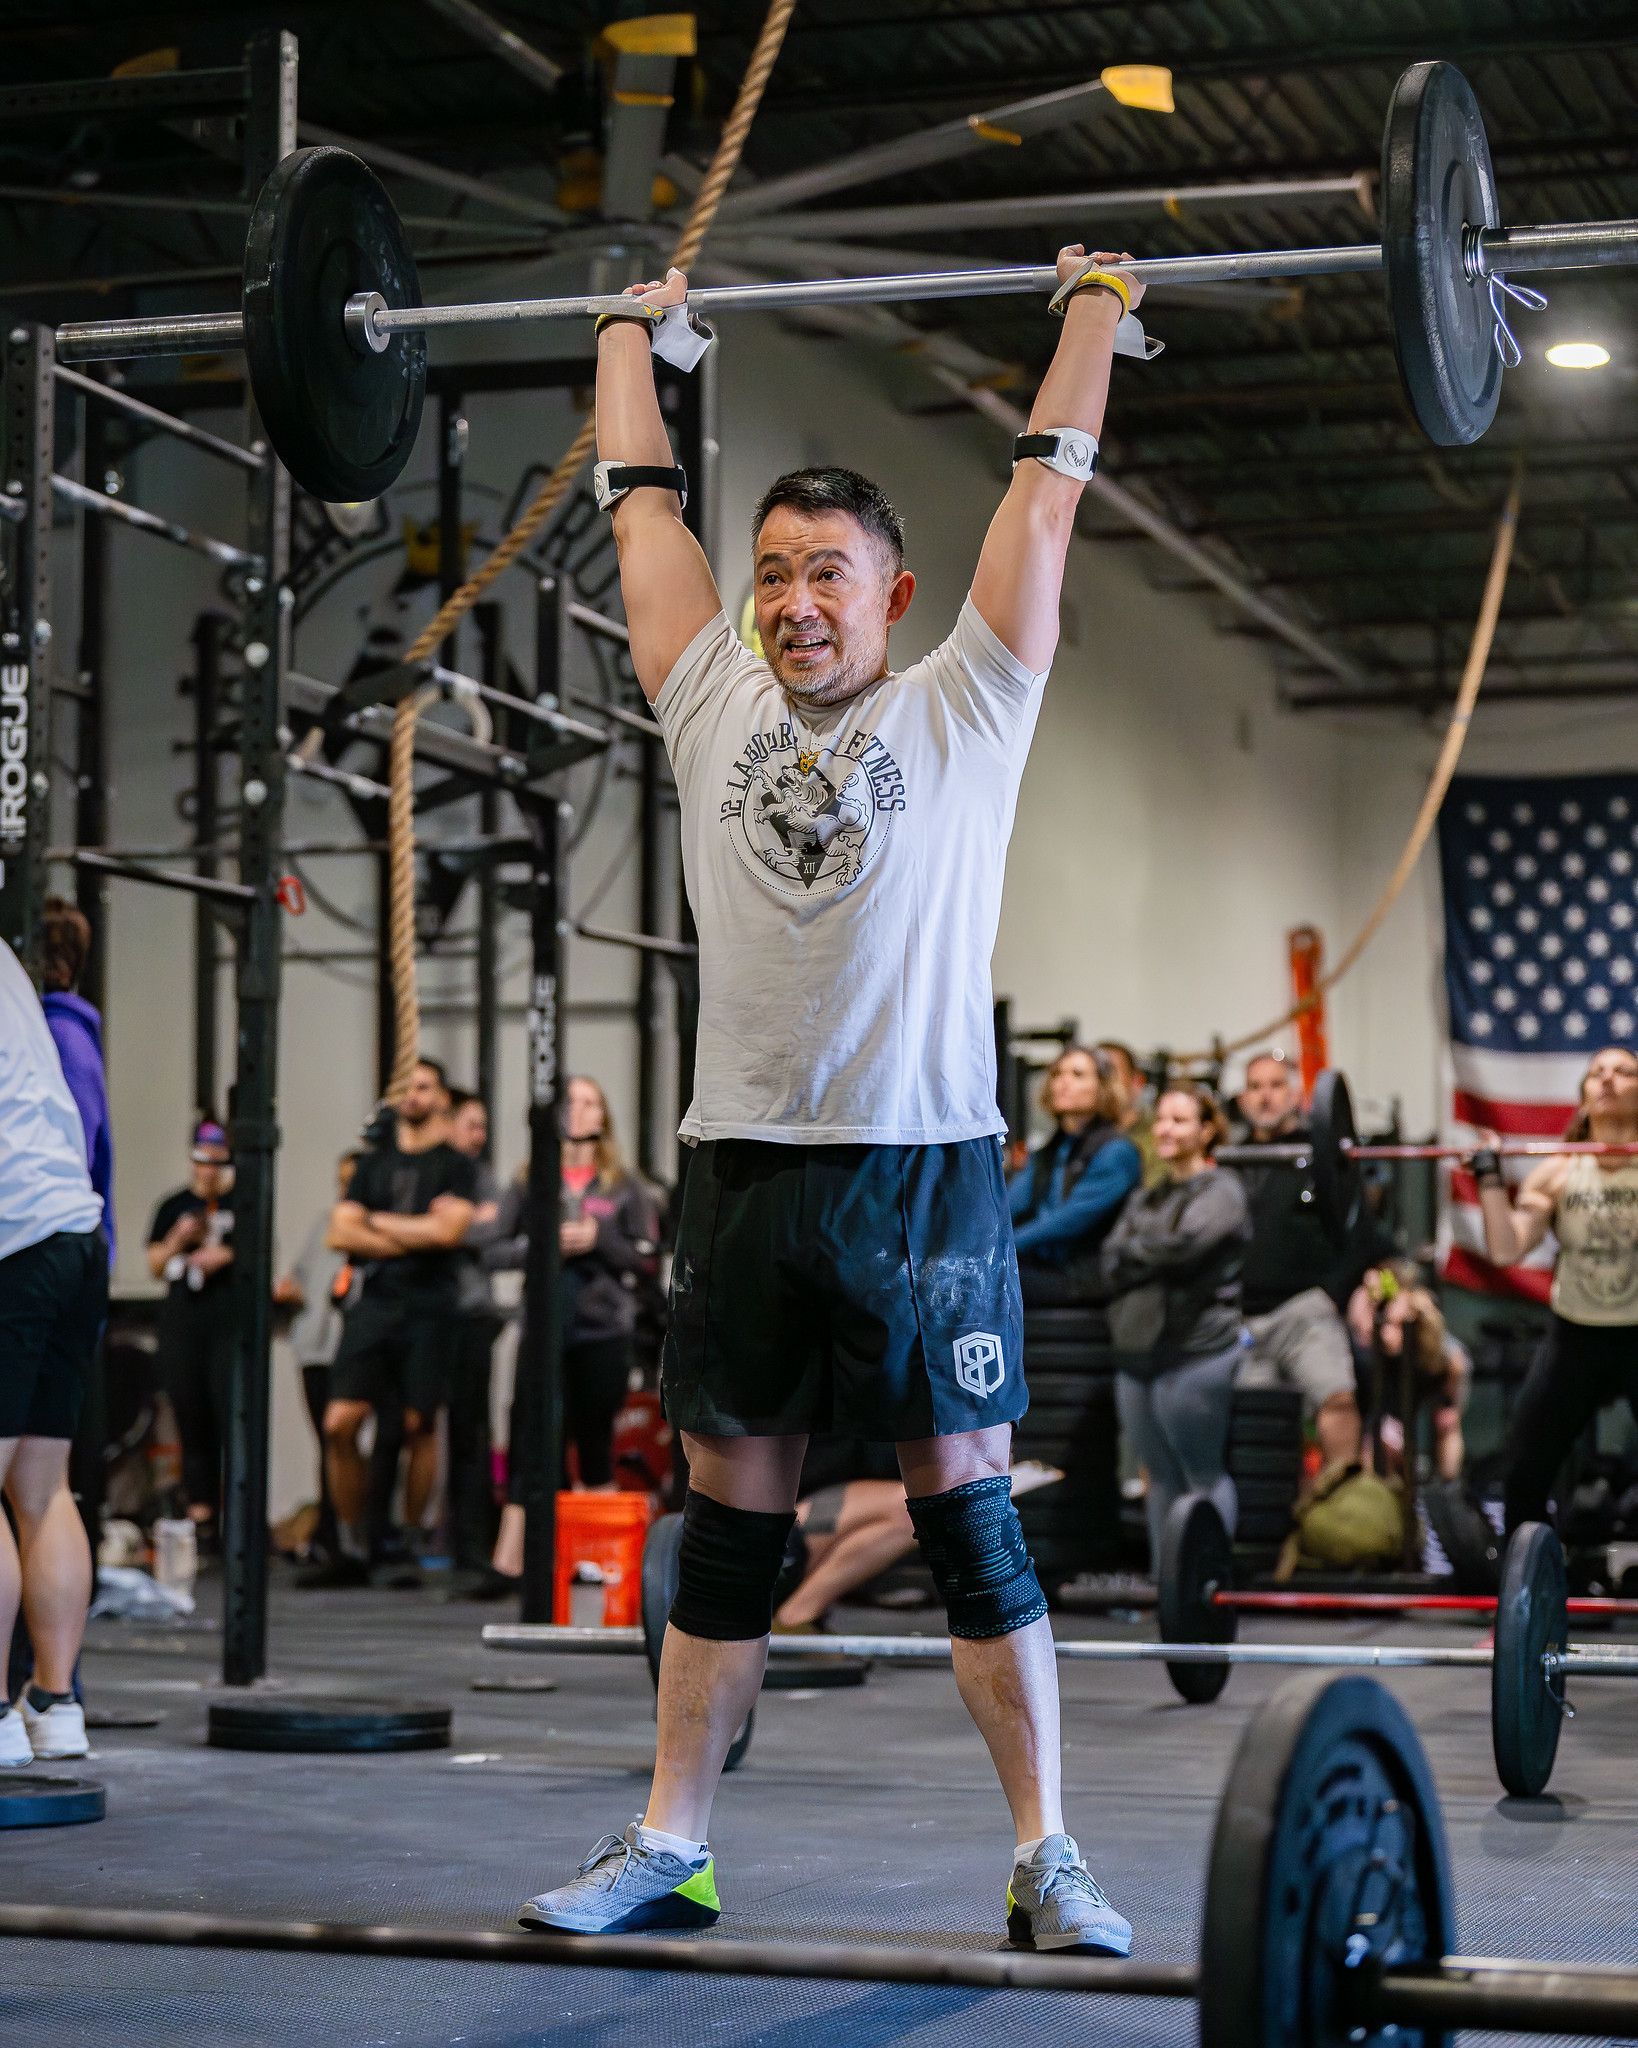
column 1177, row 1427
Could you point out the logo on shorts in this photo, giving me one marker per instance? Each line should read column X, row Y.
column 980, row 1368
column 809, row 818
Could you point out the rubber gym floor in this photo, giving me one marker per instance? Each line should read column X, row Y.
column 867, row 1814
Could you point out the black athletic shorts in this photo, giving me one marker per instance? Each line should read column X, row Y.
column 870, row 1290
column 53, row 1303
column 395, row 1354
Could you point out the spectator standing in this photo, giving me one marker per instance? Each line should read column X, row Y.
column 471, row 1483
column 1173, row 1262
column 609, row 1237
column 1298, row 1273
column 53, row 1299
column 76, row 1030
column 402, row 1222
column 190, row 1248
column 317, row 1288
column 1066, row 1196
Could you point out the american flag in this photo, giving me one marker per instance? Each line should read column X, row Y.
column 1541, row 918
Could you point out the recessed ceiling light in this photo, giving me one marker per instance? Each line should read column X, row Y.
column 1578, row 355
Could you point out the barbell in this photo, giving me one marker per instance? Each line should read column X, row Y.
column 1529, row 1665
column 1333, row 1153
column 334, row 330
column 1328, row 1911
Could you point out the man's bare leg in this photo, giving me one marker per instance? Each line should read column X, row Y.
column 872, row 1531
column 56, row 1558
column 1009, row 1684
column 349, row 1470
column 707, row 1688
column 11, row 1567
column 420, row 1464
column 1338, row 1429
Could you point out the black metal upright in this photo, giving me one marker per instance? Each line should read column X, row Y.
column 540, row 1349
column 487, row 965
column 270, row 135
column 90, row 734
column 25, row 640
column 209, row 638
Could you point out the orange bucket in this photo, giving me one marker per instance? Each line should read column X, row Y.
column 607, row 1530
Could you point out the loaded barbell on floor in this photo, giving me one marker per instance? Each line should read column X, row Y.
column 1328, row 1912
column 334, row 330
column 1530, row 1664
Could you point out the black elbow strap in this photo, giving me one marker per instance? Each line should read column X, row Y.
column 974, row 1546
column 727, row 1562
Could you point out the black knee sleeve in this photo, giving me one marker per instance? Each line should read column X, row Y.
column 974, row 1548
column 727, row 1563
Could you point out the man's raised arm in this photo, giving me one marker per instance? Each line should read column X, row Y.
column 1021, row 567
column 665, row 579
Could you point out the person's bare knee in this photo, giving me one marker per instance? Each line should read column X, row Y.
column 342, row 1422
column 935, row 1464
column 37, row 1473
column 760, row 1473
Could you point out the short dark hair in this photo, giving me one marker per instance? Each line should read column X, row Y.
column 435, row 1067
column 825, row 488
column 65, row 942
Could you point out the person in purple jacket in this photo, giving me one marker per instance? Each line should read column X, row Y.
column 76, row 1030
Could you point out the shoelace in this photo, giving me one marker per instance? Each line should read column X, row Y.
column 610, row 1845
column 1073, row 1877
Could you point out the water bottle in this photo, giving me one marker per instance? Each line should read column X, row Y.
column 176, row 1554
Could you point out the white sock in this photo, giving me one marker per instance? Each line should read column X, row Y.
column 677, row 1845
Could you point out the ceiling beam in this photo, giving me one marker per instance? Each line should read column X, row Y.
column 500, row 42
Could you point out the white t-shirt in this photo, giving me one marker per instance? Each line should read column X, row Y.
column 44, row 1185
column 845, row 872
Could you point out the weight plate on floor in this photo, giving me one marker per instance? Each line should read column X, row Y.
column 1436, row 180
column 1329, row 1853
column 660, row 1548
column 1337, row 1182
column 1531, row 1619
column 102, row 1719
column 1196, row 1557
column 740, row 1744
column 315, row 1725
column 341, row 419
column 819, row 1672
column 31, row 1801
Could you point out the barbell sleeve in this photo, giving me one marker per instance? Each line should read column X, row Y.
column 172, row 334
column 1502, row 1995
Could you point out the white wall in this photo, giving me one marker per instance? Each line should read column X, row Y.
column 1171, row 827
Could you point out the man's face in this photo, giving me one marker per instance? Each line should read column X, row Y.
column 423, row 1098
column 469, row 1129
column 826, row 594
column 212, row 1174
column 1269, row 1099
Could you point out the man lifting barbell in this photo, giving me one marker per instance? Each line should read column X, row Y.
column 844, row 1257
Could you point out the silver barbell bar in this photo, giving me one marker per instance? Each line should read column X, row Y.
column 1583, row 1662
column 372, row 323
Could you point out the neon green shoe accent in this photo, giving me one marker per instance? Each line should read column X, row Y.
column 702, row 1888
column 1012, row 1903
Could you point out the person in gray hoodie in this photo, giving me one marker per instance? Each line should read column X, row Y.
column 1172, row 1263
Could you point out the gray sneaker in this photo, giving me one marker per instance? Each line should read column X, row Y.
column 1054, row 1903
column 624, row 1888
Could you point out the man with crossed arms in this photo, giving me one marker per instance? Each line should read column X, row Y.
column 844, row 1258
